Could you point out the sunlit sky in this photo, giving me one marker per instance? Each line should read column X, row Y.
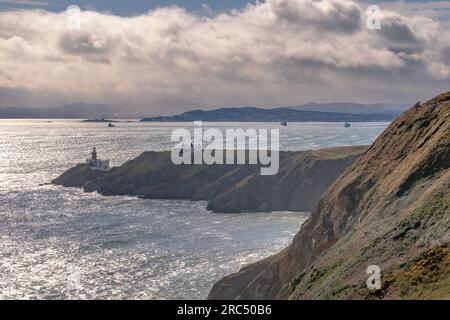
column 222, row 53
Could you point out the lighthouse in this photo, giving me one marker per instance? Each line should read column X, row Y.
column 97, row 164
column 94, row 154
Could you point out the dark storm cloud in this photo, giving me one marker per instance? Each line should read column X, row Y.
column 397, row 30
column 336, row 17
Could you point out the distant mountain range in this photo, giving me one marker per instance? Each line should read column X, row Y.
column 250, row 114
column 350, row 107
column 173, row 108
column 82, row 110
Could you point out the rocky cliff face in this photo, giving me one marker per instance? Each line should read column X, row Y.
column 391, row 208
column 302, row 178
column 78, row 176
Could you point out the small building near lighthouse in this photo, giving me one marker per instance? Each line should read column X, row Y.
column 97, row 164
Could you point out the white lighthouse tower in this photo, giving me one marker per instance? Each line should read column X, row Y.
column 96, row 164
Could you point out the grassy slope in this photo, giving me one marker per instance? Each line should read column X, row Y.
column 302, row 178
column 396, row 229
column 388, row 209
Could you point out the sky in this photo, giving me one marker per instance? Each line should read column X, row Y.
column 222, row 53
column 121, row 7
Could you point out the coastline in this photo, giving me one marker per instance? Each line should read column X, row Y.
column 303, row 177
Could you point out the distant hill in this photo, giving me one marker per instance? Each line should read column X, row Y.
column 82, row 110
column 173, row 109
column 358, row 108
column 251, row 114
column 77, row 110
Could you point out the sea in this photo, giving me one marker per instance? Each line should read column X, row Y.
column 62, row 243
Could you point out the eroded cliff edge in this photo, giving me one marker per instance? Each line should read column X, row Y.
column 390, row 208
column 301, row 180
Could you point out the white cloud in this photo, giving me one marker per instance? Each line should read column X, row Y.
column 273, row 52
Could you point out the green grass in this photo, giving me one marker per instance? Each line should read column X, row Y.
column 316, row 277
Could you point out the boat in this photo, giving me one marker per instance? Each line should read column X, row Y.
column 284, row 123
column 110, row 125
column 347, row 125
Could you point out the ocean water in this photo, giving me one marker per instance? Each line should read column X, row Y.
column 61, row 243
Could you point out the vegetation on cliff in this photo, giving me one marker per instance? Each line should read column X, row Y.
column 302, row 178
column 390, row 209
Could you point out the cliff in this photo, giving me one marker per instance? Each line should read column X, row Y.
column 77, row 176
column 390, row 208
column 302, row 178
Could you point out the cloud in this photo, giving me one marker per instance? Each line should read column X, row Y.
column 275, row 52
column 432, row 9
column 331, row 16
